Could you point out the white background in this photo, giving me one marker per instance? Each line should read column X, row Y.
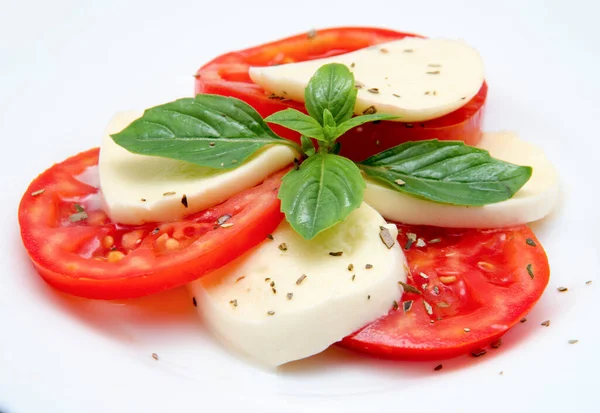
column 67, row 66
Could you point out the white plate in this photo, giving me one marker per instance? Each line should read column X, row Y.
column 65, row 68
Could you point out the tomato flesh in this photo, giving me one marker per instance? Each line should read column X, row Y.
column 227, row 75
column 96, row 258
column 474, row 285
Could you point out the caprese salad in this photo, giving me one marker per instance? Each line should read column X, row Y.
column 331, row 187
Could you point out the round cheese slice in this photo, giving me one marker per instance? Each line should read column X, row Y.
column 414, row 79
column 290, row 298
column 532, row 202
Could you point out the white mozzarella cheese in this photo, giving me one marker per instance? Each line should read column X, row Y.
column 290, row 298
column 532, row 202
column 141, row 189
column 415, row 79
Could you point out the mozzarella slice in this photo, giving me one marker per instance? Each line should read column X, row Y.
column 140, row 189
column 415, row 79
column 532, row 202
column 289, row 298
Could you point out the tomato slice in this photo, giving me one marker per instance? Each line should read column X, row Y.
column 474, row 285
column 228, row 75
column 96, row 258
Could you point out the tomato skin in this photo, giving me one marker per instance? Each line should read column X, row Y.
column 493, row 290
column 69, row 256
column 227, row 75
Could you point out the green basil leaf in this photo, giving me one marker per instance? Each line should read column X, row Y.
column 307, row 146
column 332, row 88
column 447, row 172
column 297, row 121
column 208, row 130
column 329, row 126
column 321, row 193
column 359, row 120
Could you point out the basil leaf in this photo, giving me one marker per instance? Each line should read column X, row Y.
column 321, row 193
column 297, row 121
column 329, row 126
column 208, row 130
column 359, row 120
column 332, row 88
column 307, row 146
column 447, row 172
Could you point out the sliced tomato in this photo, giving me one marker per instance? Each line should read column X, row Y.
column 473, row 286
column 228, row 75
column 88, row 255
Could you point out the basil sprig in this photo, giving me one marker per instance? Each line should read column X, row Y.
column 222, row 132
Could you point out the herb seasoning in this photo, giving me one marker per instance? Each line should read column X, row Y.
column 530, row 270
column 409, row 288
column 369, row 266
column 299, row 280
column 373, row 90
column 353, row 277
column 155, row 356
column 223, row 219
column 78, row 216
column 562, row 289
column 400, row 182
column 194, row 302
column 435, row 240
column 282, row 246
column 434, row 72
column 411, row 239
column 395, row 306
column 270, row 236
column 370, row 110
column 479, row 352
column 573, row 341
column 546, row 323
column 438, row 367
column 336, row 253
column 531, row 242
column 497, row 343
column 233, row 302
column 407, row 305
column 169, row 193
column 588, row 282
column 38, row 192
column 428, row 307
column 386, row 237
column 312, row 33
column 270, row 312
column 184, row 200
column 350, row 267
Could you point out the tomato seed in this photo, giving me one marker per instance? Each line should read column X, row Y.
column 115, row 256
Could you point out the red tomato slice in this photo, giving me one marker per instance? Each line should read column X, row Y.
column 477, row 284
column 97, row 258
column 228, row 75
